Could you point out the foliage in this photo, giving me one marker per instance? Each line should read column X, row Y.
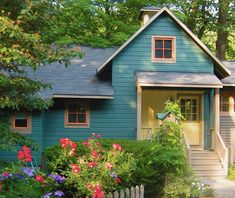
column 145, row 173
column 9, row 140
column 173, row 107
column 23, row 50
column 91, row 169
column 231, row 174
column 20, row 180
column 142, row 173
column 208, row 191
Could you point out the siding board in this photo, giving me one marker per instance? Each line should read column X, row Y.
column 227, row 131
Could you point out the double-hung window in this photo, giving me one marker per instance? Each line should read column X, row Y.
column 77, row 115
column 163, row 48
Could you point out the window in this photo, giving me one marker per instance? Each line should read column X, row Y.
column 21, row 122
column 189, row 108
column 224, row 103
column 77, row 115
column 163, row 48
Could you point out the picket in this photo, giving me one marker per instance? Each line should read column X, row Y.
column 137, row 192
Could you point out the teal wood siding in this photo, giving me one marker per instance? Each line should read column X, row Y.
column 36, row 136
column 117, row 118
column 137, row 57
column 106, row 117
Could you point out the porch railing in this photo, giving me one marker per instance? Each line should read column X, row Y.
column 187, row 148
column 222, row 151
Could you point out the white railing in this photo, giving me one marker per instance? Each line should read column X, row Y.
column 146, row 133
column 222, row 151
column 137, row 192
column 187, row 149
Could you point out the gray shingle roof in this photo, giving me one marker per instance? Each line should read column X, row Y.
column 79, row 78
column 231, row 79
column 178, row 79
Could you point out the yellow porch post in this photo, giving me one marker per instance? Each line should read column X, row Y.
column 216, row 116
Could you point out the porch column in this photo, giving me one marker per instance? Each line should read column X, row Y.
column 139, row 100
column 216, row 115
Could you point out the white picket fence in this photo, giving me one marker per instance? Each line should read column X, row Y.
column 137, row 192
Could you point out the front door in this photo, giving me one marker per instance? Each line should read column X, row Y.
column 190, row 108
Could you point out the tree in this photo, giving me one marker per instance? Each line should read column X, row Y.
column 22, row 50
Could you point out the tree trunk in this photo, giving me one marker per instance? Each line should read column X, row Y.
column 222, row 34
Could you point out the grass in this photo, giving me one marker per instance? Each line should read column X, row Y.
column 231, row 174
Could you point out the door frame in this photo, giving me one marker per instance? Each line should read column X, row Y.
column 201, row 114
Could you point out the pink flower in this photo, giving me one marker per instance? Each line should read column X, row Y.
column 86, row 144
column 98, row 192
column 94, row 154
column 72, row 153
column 89, row 186
column 73, row 145
column 117, row 147
column 91, row 164
column 93, row 134
column 89, row 139
column 99, row 136
column 75, row 168
column 64, row 142
column 24, row 154
column 97, row 144
column 109, row 165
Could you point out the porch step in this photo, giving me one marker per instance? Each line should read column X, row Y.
column 206, row 164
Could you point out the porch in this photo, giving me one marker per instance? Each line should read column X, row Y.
column 199, row 105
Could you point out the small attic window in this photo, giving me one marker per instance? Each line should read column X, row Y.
column 163, row 48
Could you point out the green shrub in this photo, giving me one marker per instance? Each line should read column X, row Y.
column 89, row 168
column 143, row 173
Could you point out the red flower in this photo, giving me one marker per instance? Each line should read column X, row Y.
column 73, row 145
column 117, row 147
column 75, row 168
column 91, row 164
column 118, row 180
column 24, row 154
column 40, row 179
column 99, row 136
column 64, row 142
column 94, row 154
column 26, row 149
column 109, row 165
column 98, row 192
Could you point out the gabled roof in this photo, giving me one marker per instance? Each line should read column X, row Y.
column 220, row 68
column 79, row 79
column 229, row 81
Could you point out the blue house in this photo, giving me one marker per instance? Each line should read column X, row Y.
column 117, row 92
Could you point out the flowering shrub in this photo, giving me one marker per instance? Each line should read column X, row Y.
column 22, row 179
column 90, row 170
